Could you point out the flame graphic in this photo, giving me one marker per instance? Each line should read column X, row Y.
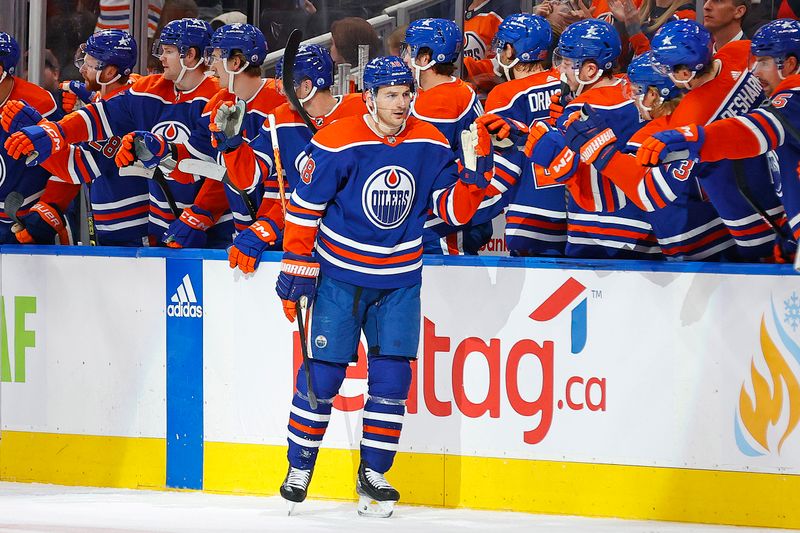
column 758, row 413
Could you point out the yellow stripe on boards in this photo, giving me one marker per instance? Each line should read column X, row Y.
column 634, row 492
column 550, row 487
column 260, row 469
column 84, row 460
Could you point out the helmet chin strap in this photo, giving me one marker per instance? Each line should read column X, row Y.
column 418, row 70
column 308, row 97
column 3, row 77
column 645, row 109
column 185, row 69
column 508, row 70
column 682, row 83
column 582, row 84
column 104, row 84
column 231, row 73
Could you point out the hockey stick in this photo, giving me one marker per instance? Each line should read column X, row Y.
column 276, row 154
column 289, row 55
column 87, row 200
column 216, row 172
column 156, row 175
column 301, row 307
column 12, row 205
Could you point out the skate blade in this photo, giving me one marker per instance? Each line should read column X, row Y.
column 290, row 505
column 373, row 508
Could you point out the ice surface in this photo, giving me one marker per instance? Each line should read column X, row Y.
column 55, row 509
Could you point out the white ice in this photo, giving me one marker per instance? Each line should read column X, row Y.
column 55, row 509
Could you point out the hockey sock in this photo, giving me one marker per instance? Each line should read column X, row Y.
column 388, row 382
column 306, row 425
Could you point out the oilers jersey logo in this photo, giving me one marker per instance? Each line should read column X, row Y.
column 474, row 46
column 388, row 196
column 173, row 132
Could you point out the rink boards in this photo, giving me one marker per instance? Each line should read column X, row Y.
column 638, row 390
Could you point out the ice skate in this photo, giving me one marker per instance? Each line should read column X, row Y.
column 295, row 486
column 376, row 496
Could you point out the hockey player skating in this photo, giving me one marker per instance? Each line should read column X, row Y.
column 253, row 163
column 353, row 244
column 775, row 49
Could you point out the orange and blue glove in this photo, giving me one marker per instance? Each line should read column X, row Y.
column 589, row 135
column 44, row 224
column 683, row 143
column 298, row 278
column 251, row 243
column 504, row 128
column 17, row 115
column 72, row 92
column 189, row 231
column 36, row 142
column 556, row 108
column 143, row 146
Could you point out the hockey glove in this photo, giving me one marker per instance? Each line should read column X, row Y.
column 17, row 115
column 43, row 224
column 143, row 146
column 251, row 243
column 553, row 161
column 226, row 125
column 72, row 92
column 556, row 108
column 189, row 231
column 684, row 142
column 37, row 142
column 502, row 128
column 478, row 163
column 591, row 137
column 298, row 278
column 538, row 130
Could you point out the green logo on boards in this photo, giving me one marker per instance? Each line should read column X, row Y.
column 23, row 338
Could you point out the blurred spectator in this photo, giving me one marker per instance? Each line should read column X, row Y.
column 66, row 32
column 178, row 9
column 347, row 34
column 50, row 75
column 231, row 17
column 395, row 41
column 116, row 14
column 723, row 18
column 280, row 17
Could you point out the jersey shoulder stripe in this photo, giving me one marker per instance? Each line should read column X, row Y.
column 504, row 95
column 36, row 97
column 446, row 102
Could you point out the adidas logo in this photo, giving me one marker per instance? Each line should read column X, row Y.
column 735, row 74
column 184, row 301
